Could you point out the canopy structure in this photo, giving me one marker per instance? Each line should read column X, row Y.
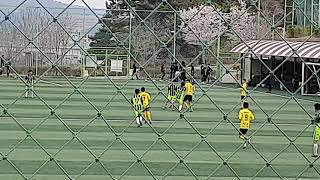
column 310, row 50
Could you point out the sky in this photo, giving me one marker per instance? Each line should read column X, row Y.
column 99, row 4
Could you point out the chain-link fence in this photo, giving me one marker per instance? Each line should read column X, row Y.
column 58, row 126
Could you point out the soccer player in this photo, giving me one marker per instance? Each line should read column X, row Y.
column 29, row 80
column 138, row 107
column 189, row 93
column 194, row 93
column 172, row 96
column 180, row 95
column 243, row 90
column 316, row 133
column 245, row 117
column 146, row 98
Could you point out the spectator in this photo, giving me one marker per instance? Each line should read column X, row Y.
column 134, row 72
column 172, row 71
column 8, row 67
column 203, row 73
column 269, row 84
column 176, row 72
column 1, row 64
column 208, row 73
column 192, row 70
column 296, row 81
column 163, row 72
column 183, row 75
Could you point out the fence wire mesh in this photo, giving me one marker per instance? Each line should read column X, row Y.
column 83, row 128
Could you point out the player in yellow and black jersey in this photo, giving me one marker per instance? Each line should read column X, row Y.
column 189, row 93
column 246, row 116
column 180, row 95
column 316, row 133
column 146, row 98
column 244, row 89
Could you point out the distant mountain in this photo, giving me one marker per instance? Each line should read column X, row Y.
column 30, row 3
column 83, row 16
column 33, row 3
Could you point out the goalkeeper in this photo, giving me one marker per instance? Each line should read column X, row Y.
column 316, row 133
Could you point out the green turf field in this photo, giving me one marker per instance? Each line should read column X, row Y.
column 36, row 139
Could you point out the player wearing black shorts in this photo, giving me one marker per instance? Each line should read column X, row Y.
column 189, row 94
column 243, row 89
column 246, row 116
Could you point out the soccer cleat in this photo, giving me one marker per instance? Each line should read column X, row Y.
column 244, row 146
column 313, row 155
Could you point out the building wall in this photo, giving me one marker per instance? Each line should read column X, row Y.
column 303, row 11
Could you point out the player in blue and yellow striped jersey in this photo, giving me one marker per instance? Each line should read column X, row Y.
column 316, row 133
column 245, row 117
column 194, row 92
column 180, row 95
column 172, row 96
column 137, row 103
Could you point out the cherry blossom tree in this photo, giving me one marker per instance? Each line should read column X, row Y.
column 206, row 23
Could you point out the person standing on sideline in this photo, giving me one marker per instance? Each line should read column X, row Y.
column 183, row 75
column 176, row 72
column 29, row 84
column 203, row 73
column 269, row 84
column 8, row 67
column 171, row 70
column 1, row 64
column 192, row 70
column 134, row 72
column 163, row 72
column 208, row 73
